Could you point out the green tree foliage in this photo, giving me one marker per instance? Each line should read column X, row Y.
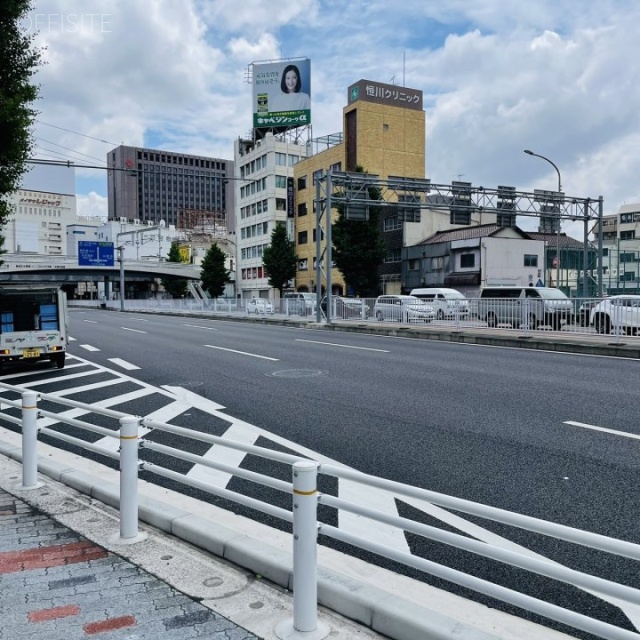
column 19, row 61
column 358, row 249
column 175, row 288
column 279, row 258
column 214, row 274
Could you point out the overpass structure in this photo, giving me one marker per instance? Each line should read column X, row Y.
column 66, row 270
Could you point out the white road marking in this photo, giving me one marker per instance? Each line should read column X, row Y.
column 197, row 326
column 345, row 346
column 242, row 353
column 124, row 364
column 71, row 339
column 593, row 427
column 88, row 347
column 138, row 319
column 134, row 330
column 90, row 321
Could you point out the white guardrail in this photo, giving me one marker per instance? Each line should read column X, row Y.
column 303, row 514
column 579, row 316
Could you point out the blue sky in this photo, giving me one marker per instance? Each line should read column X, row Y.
column 498, row 77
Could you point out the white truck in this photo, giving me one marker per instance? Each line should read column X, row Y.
column 33, row 323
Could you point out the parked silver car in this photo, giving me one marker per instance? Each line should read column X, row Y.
column 402, row 309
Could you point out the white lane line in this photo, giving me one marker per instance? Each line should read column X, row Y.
column 242, row 353
column 90, row 321
column 124, row 364
column 593, row 427
column 197, row 326
column 88, row 347
column 71, row 339
column 139, row 319
column 344, row 346
column 134, row 330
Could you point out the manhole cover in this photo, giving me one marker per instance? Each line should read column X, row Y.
column 297, row 373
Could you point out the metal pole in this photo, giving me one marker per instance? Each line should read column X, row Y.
column 305, row 534
column 600, row 237
column 319, row 250
column 585, row 251
column 128, row 477
column 30, row 440
column 328, row 241
column 537, row 155
column 121, row 259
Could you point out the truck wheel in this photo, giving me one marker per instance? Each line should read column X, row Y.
column 58, row 360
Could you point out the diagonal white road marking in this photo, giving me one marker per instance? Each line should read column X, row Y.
column 242, row 353
column 344, row 346
column 124, row 364
column 593, row 427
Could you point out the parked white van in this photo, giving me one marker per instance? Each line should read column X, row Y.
column 447, row 303
column 531, row 306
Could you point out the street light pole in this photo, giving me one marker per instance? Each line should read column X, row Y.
column 121, row 260
column 537, row 155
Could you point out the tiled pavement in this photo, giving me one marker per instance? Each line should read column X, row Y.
column 56, row 585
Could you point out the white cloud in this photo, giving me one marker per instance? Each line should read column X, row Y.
column 92, row 205
column 544, row 76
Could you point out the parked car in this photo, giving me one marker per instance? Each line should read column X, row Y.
column 402, row 309
column 259, row 305
column 530, row 306
column 583, row 314
column 299, row 303
column 447, row 303
column 617, row 313
column 346, row 307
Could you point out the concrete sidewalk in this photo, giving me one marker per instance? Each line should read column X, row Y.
column 217, row 572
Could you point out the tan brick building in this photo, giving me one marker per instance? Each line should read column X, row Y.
column 384, row 133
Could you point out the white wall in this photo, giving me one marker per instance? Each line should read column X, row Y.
column 503, row 261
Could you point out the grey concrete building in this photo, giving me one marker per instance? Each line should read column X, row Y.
column 152, row 185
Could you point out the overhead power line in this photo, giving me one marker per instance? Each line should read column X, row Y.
column 84, row 135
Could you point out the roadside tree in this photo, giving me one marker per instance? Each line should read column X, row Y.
column 358, row 248
column 214, row 274
column 174, row 287
column 19, row 60
column 279, row 259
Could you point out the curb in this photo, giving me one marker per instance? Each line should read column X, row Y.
column 373, row 607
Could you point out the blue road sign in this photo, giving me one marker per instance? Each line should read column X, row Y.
column 95, row 254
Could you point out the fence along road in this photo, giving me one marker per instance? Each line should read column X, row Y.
column 218, row 467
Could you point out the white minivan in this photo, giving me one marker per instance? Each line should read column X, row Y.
column 447, row 303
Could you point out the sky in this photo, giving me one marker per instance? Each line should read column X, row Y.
column 558, row 77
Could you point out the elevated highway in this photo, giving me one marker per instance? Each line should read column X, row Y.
column 65, row 269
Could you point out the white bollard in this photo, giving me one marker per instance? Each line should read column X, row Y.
column 129, row 478
column 30, row 440
column 305, row 550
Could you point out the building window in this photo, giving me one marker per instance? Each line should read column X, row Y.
column 530, row 260
column 281, row 159
column 316, row 176
column 302, row 182
column 467, row 261
column 303, row 265
column 302, row 209
column 437, row 263
column 281, row 182
column 627, row 235
column 392, row 223
column 336, row 167
column 302, row 237
column 393, row 255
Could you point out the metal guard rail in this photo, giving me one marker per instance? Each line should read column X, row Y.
column 304, row 513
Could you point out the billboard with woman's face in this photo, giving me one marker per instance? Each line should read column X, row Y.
column 282, row 94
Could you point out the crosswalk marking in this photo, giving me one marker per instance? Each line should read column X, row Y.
column 124, row 364
column 89, row 347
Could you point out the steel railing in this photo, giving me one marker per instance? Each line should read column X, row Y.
column 303, row 513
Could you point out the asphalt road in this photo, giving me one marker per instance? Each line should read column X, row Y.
column 484, row 423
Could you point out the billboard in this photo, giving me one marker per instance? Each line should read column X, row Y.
column 389, row 94
column 281, row 94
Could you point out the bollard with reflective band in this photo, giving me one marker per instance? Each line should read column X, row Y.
column 305, row 543
column 129, row 477
column 30, row 440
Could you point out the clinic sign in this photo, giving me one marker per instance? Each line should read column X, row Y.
column 95, row 254
column 281, row 93
column 389, row 94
